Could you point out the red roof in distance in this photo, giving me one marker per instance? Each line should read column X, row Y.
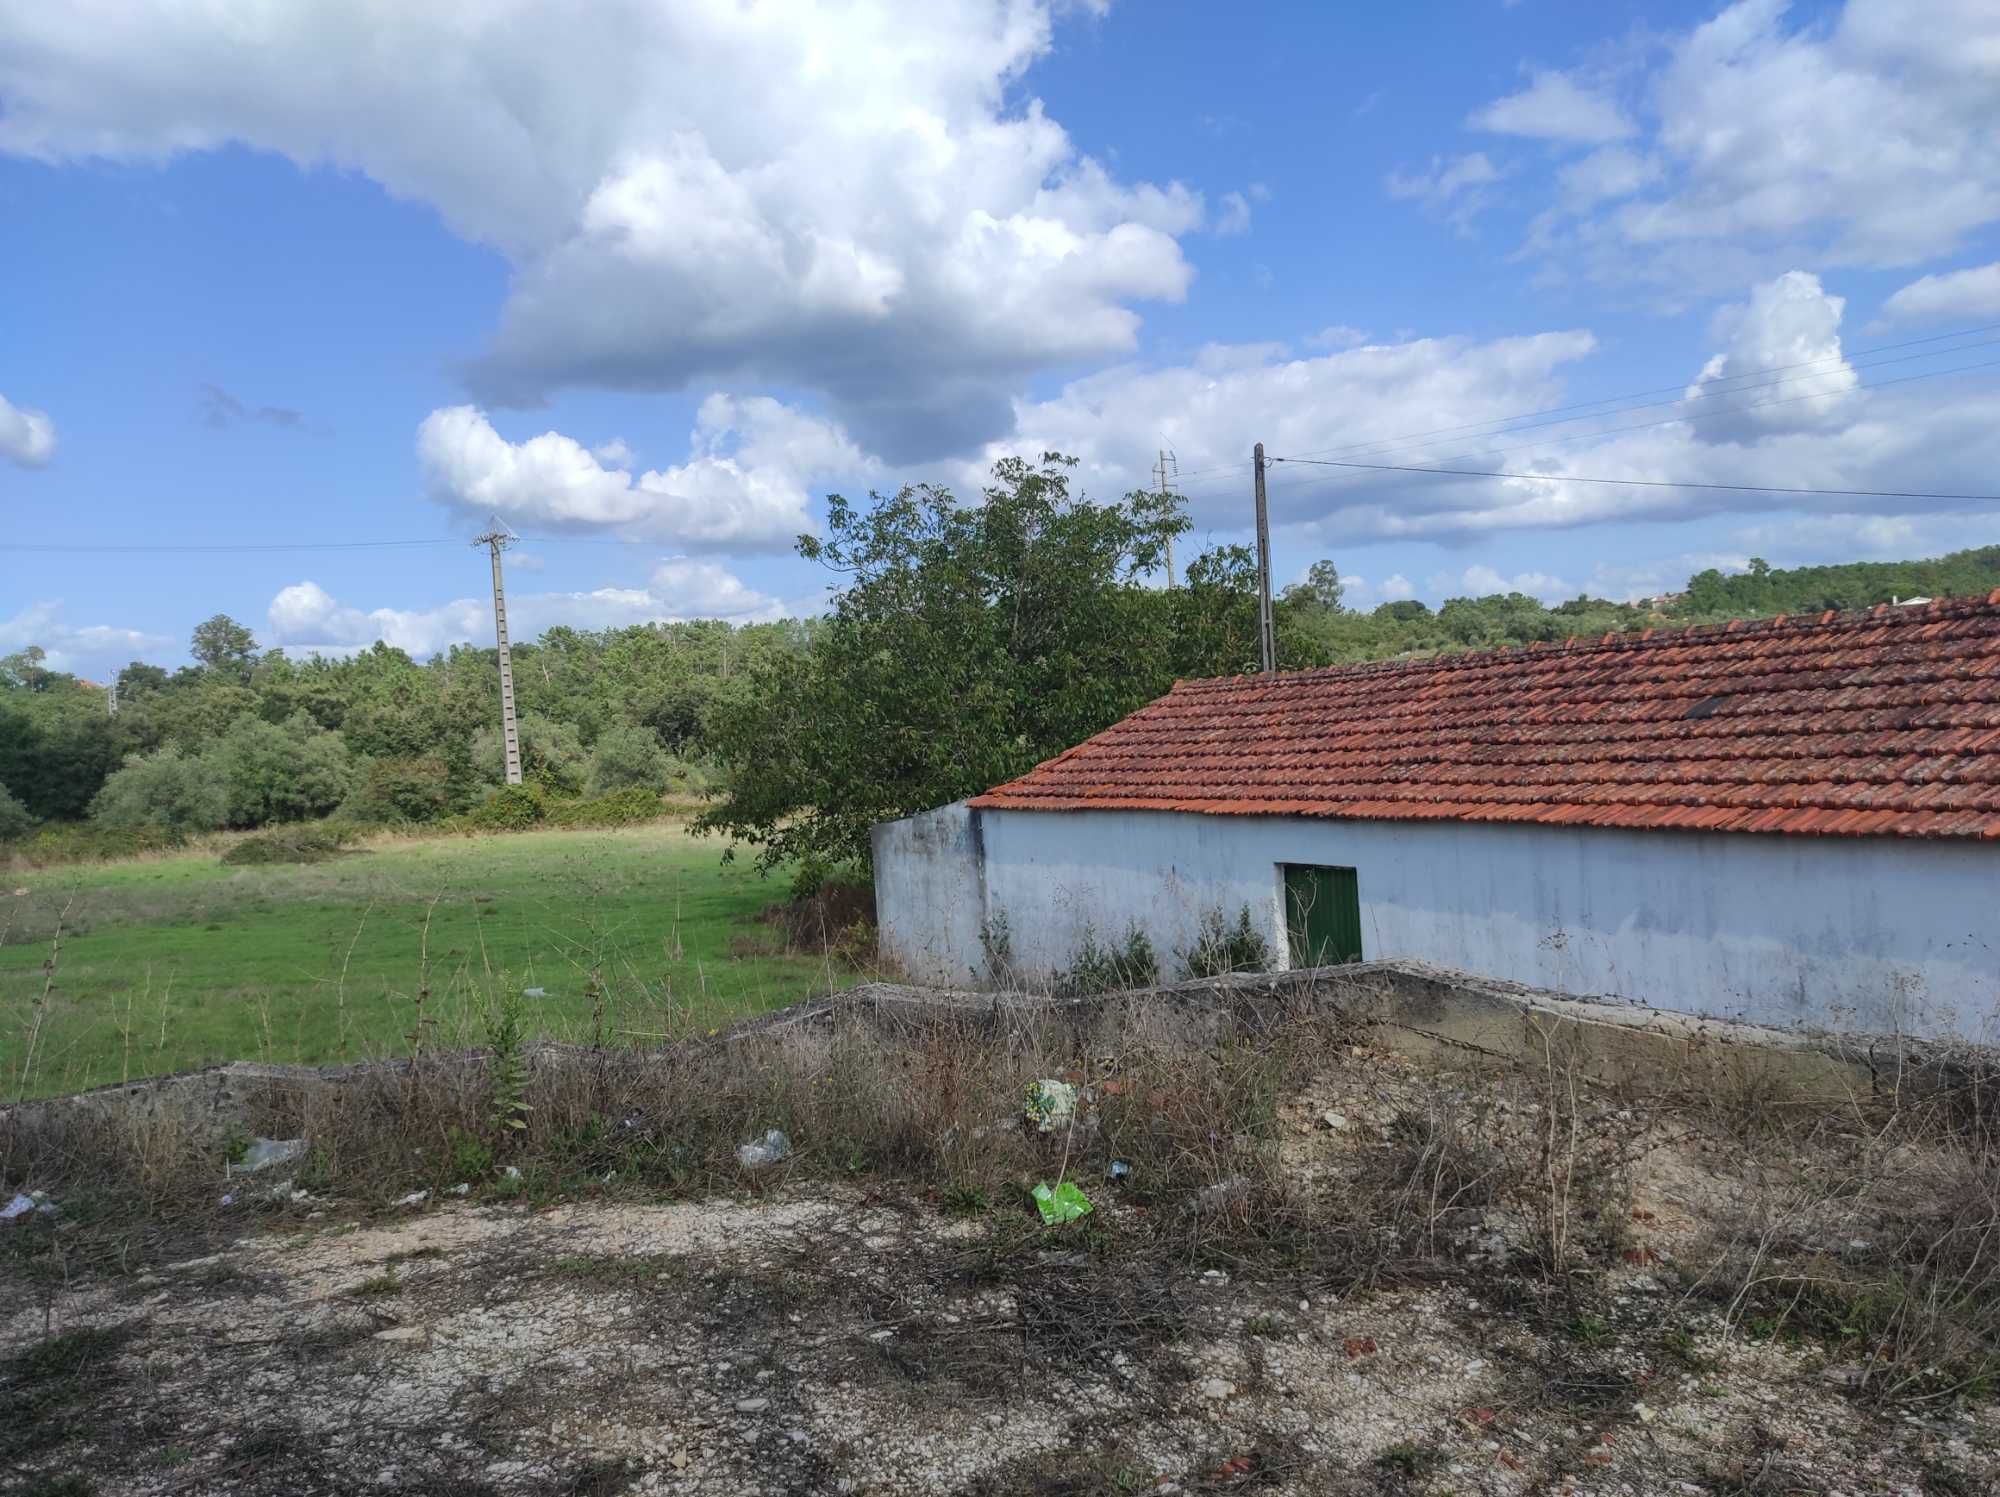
column 1876, row 723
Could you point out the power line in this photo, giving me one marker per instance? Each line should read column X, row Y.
column 1649, row 483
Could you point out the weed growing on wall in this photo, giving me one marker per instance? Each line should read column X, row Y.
column 1220, row 947
column 1097, row 968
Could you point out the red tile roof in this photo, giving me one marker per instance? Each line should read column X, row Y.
column 1885, row 722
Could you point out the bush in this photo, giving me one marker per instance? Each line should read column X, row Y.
column 633, row 806
column 15, row 822
column 169, row 791
column 421, row 788
column 627, row 758
column 294, row 844
column 518, row 808
column 1106, row 969
column 552, row 755
column 1221, row 948
column 275, row 773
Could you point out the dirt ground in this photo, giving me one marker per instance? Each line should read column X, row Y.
column 803, row 1337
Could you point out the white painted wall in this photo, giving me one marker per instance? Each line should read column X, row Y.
column 1881, row 935
column 930, row 895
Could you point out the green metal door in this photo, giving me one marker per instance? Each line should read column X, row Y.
column 1322, row 915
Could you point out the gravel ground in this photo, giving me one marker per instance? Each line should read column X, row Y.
column 810, row 1339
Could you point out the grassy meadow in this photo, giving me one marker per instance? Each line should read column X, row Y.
column 170, row 962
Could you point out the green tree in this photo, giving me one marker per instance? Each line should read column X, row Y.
column 626, row 756
column 1321, row 589
column 171, row 790
column 970, row 642
column 14, row 818
column 224, row 646
column 552, row 755
column 289, row 772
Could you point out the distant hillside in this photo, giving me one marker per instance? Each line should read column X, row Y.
column 1855, row 584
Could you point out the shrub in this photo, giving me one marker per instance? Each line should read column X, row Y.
column 15, row 822
column 403, row 789
column 628, row 757
column 1106, row 969
column 274, row 773
column 169, row 790
column 71, row 842
column 633, row 806
column 1221, row 948
column 552, row 755
column 511, row 808
column 295, row 844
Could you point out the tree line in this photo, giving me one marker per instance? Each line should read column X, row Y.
column 965, row 644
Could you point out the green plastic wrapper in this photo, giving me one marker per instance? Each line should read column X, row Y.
column 1061, row 1203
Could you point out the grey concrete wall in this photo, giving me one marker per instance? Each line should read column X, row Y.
column 1868, row 935
column 930, row 897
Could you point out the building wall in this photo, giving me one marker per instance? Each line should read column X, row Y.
column 930, row 895
column 1875, row 934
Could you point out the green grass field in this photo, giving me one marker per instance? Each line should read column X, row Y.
column 173, row 962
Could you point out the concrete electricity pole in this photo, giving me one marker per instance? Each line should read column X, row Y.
column 496, row 540
column 1266, row 632
column 1160, row 471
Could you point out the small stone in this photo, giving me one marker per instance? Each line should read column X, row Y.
column 752, row 1405
column 1332, row 1120
column 403, row 1334
column 1216, row 1389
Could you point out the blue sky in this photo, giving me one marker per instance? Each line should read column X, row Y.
column 651, row 287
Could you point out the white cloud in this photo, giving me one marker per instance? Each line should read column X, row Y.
column 1789, row 324
column 86, row 648
column 857, row 199
column 743, row 485
column 27, row 437
column 305, row 617
column 1774, row 136
column 1457, row 188
column 1556, row 107
column 1235, row 215
column 1339, row 335
column 1957, row 296
column 1480, row 581
column 1816, row 429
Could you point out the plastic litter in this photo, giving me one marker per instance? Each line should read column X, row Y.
column 1062, row 1202
column 1121, row 1169
column 265, row 1152
column 415, row 1198
column 534, row 992
column 228, row 1198
column 769, row 1150
column 20, row 1206
column 511, row 1171
column 461, row 1190
column 1050, row 1104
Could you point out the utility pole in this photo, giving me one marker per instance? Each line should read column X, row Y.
column 111, row 699
column 496, row 540
column 1266, row 632
column 1160, row 471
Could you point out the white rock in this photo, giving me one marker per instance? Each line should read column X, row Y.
column 752, row 1405
column 1216, row 1389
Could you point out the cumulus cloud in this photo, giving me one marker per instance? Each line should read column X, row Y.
column 27, row 437
column 82, row 648
column 1771, row 135
column 1789, row 324
column 304, row 616
column 1556, row 107
column 743, row 486
column 1802, row 428
column 1958, row 296
column 856, row 200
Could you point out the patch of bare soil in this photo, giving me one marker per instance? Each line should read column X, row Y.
column 1558, row 1296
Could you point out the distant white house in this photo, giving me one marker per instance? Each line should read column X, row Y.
column 1794, row 822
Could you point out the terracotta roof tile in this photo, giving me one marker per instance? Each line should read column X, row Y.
column 1878, row 723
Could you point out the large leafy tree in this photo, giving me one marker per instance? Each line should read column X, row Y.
column 969, row 642
column 224, row 646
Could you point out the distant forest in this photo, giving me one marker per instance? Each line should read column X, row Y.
column 970, row 642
